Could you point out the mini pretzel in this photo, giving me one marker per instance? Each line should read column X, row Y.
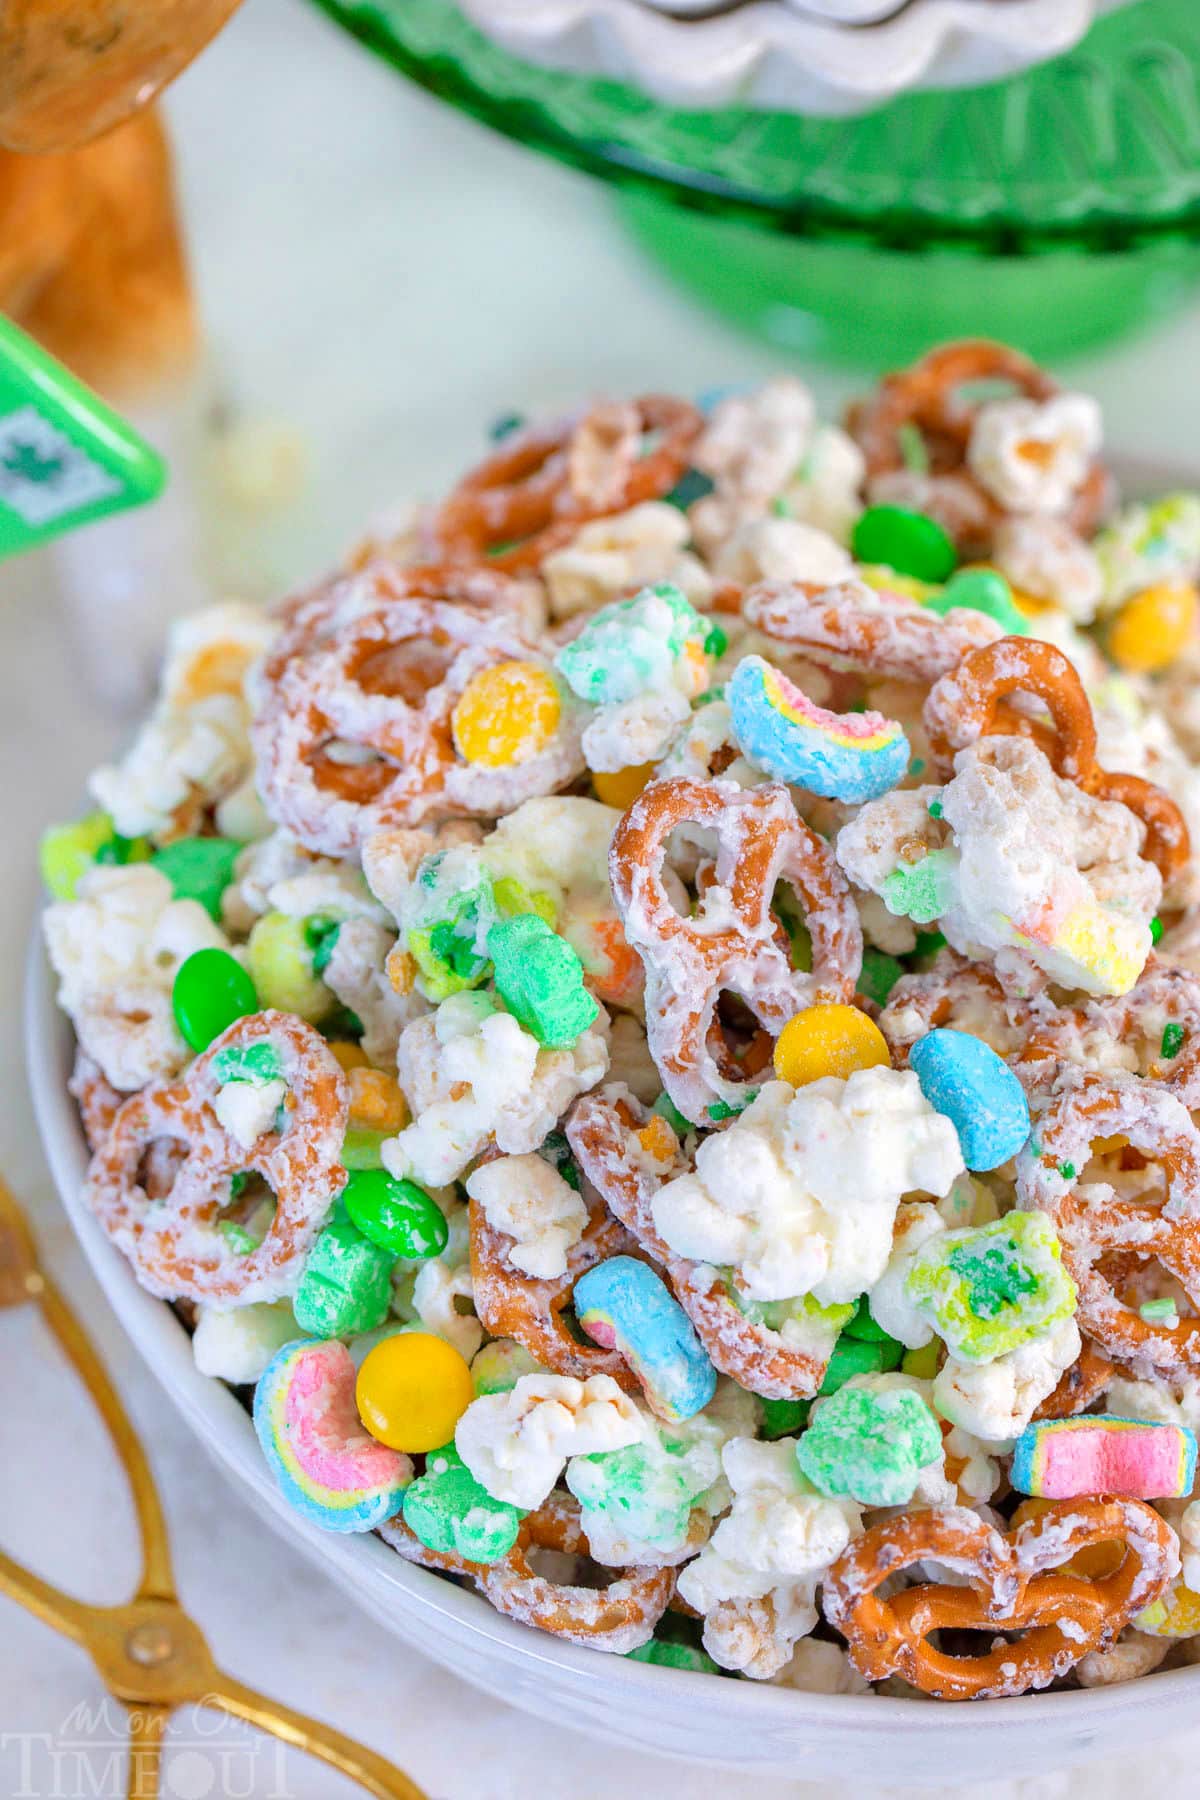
column 969, row 703
column 603, row 1132
column 689, row 962
column 619, row 1617
column 531, row 496
column 172, row 1240
column 1104, row 1236
column 512, row 1304
column 954, row 993
column 1015, row 1584
column 929, row 396
column 386, row 683
column 851, row 625
column 98, row 1101
column 310, row 617
column 1087, row 1378
column 1163, row 995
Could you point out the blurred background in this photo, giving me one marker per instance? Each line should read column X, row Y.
column 376, row 277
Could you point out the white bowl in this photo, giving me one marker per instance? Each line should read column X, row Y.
column 777, row 54
column 742, row 1724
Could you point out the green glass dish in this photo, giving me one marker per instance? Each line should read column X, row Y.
column 1054, row 210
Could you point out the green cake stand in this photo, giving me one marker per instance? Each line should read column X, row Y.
column 1057, row 210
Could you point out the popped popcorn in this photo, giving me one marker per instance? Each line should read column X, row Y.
column 516, row 1444
column 524, row 1197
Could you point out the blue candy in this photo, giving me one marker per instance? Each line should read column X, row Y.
column 845, row 756
column 626, row 1307
column 963, row 1078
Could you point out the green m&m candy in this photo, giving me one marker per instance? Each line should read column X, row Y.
column 211, row 990
column 396, row 1215
column 674, row 1656
column 859, row 1356
column 910, row 542
column 346, row 1285
column 199, row 868
column 540, row 980
column 985, row 591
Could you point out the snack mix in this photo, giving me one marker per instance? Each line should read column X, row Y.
column 651, row 1023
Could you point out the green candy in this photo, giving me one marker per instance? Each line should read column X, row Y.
column 989, row 1289
column 985, row 591
column 880, row 973
column 448, row 1510
column 910, row 542
column 346, row 1286
column 859, row 1356
column 398, row 1216
column 921, row 891
column 631, row 646
column 361, row 1148
column 67, row 852
column 674, row 1656
column 497, row 1368
column 540, row 980
column 666, row 1109
column 210, row 991
column 557, row 1152
column 321, row 934
column 784, row 1418
column 281, row 962
column 448, row 933
column 863, row 1326
column 870, row 1446
column 199, row 868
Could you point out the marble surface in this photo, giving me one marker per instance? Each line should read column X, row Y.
column 378, row 277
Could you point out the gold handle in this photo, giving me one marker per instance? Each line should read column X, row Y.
column 151, row 1654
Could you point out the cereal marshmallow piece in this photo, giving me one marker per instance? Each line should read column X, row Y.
column 623, row 1305
column 870, row 1445
column 448, row 1510
column 656, row 640
column 963, row 1078
column 1060, row 1459
column 991, row 1288
column 845, row 756
column 647, row 1493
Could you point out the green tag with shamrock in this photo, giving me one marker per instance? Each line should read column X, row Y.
column 65, row 457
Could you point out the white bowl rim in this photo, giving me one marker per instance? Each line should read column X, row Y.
column 226, row 1431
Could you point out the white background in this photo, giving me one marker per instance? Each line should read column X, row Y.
column 379, row 278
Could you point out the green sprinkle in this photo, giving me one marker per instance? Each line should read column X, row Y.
column 722, row 1109
column 913, row 448
column 1156, row 929
column 917, row 766
column 1159, row 1312
column 236, row 1236
column 935, row 809
column 780, row 507
column 1067, row 1170
column 1172, row 1040
column 504, row 426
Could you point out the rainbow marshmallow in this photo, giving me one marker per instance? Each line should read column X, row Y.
column 624, row 1306
column 1062, row 1459
column 843, row 756
column 326, row 1464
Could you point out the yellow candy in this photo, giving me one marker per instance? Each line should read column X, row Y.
column 923, row 1363
column 412, row 1390
column 376, row 1102
column 829, row 1040
column 1176, row 1615
column 621, row 789
column 349, row 1055
column 877, row 576
column 506, row 714
column 658, row 1140
column 1151, row 629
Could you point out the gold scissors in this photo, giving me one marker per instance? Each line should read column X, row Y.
column 150, row 1654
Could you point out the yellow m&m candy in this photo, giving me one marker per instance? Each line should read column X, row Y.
column 506, row 714
column 829, row 1040
column 621, row 787
column 412, row 1390
column 1151, row 629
